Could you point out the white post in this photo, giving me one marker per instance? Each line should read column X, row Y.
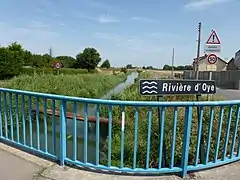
column 210, row 78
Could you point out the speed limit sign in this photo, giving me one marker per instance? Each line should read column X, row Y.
column 212, row 59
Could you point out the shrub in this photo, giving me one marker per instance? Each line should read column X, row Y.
column 31, row 71
column 124, row 70
column 139, row 70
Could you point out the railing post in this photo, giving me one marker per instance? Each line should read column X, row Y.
column 186, row 139
column 62, row 132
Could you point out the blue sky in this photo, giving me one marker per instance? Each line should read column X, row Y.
column 137, row 32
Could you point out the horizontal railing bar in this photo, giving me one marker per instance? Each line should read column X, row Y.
column 170, row 121
column 213, row 164
column 124, row 169
column 70, row 115
column 123, row 103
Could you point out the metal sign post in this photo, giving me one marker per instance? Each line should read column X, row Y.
column 159, row 88
column 202, row 151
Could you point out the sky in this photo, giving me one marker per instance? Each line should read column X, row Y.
column 138, row 32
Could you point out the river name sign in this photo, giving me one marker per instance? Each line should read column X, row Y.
column 161, row 87
column 153, row 87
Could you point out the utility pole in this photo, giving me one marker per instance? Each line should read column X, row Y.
column 50, row 51
column 173, row 64
column 198, row 49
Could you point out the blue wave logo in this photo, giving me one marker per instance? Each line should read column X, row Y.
column 152, row 82
column 150, row 87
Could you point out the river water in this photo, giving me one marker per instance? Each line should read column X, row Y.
column 80, row 129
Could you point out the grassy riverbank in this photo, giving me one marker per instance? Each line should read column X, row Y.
column 80, row 85
column 132, row 93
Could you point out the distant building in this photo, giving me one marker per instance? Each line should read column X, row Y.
column 237, row 59
column 231, row 65
column 204, row 65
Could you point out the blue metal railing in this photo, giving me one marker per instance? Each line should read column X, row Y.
column 132, row 141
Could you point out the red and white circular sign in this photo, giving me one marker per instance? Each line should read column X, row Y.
column 57, row 65
column 212, row 59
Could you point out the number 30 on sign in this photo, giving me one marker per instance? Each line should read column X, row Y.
column 212, row 59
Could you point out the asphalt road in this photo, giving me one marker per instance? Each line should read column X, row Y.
column 229, row 94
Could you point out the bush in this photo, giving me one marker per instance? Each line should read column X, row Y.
column 124, row 70
column 132, row 94
column 68, row 71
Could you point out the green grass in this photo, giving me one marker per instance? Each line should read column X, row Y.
column 69, row 71
column 80, row 85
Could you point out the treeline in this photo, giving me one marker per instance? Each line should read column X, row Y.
column 130, row 66
column 14, row 59
column 178, row 68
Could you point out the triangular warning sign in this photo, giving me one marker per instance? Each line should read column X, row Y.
column 213, row 38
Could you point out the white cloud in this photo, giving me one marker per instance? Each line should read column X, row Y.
column 103, row 19
column 101, row 5
column 37, row 24
column 110, row 36
column 201, row 4
column 130, row 42
column 143, row 19
column 162, row 35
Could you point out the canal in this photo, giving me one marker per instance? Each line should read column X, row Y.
column 52, row 143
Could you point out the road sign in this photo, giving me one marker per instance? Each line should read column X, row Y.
column 57, row 65
column 213, row 44
column 212, row 59
column 211, row 48
column 152, row 87
column 213, row 38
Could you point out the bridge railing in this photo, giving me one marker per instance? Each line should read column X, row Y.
column 122, row 136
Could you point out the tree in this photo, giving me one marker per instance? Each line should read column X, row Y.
column 179, row 68
column 67, row 61
column 88, row 59
column 188, row 67
column 47, row 59
column 11, row 62
column 15, row 47
column 106, row 64
column 129, row 66
column 28, row 58
column 167, row 67
column 38, row 61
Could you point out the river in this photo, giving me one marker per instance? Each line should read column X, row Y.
column 80, row 129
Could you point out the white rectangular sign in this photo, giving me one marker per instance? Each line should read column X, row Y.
column 212, row 48
column 211, row 67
